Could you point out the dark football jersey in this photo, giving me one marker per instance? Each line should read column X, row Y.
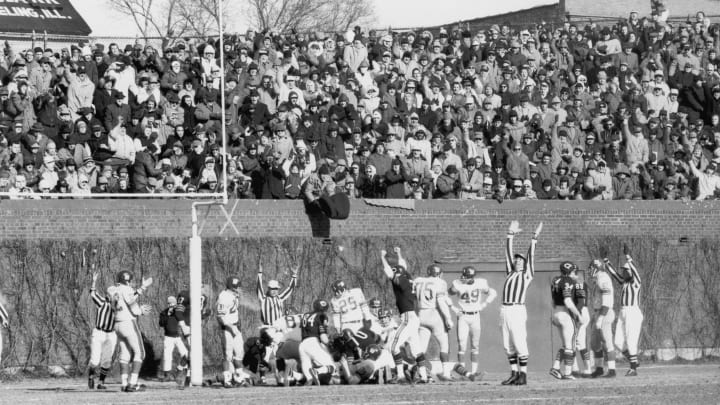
column 404, row 295
column 313, row 324
column 562, row 287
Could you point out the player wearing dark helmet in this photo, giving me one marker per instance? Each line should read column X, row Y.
column 474, row 294
column 315, row 359
column 565, row 315
column 407, row 332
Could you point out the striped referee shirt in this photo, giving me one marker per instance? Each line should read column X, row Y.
column 630, row 285
column 517, row 282
column 105, row 317
column 273, row 308
column 4, row 317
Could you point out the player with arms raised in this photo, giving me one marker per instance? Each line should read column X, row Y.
column 565, row 314
column 127, row 310
column 103, row 339
column 474, row 294
column 520, row 271
column 4, row 323
column 349, row 308
column 627, row 330
column 434, row 314
column 402, row 286
column 601, row 339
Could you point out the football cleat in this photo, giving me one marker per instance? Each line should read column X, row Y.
column 631, row 373
column 101, row 386
column 521, row 379
column 556, row 373
column 511, row 380
column 597, row 373
column 610, row 374
column 568, row 377
column 134, row 388
column 477, row 376
column 228, row 384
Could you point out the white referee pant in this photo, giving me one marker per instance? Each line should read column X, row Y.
column 627, row 330
column 407, row 332
column 513, row 322
column 1, row 345
column 169, row 345
column 102, row 348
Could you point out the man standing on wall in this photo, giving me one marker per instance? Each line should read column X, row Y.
column 520, row 271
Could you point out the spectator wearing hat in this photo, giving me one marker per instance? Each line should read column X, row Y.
column 273, row 177
column 471, row 180
column 80, row 90
column 121, row 146
column 103, row 97
column 118, row 112
column 145, row 167
column 622, row 185
column 207, row 111
column 394, row 180
column 448, row 185
column 548, row 192
column 40, row 79
column 517, row 164
column 708, row 181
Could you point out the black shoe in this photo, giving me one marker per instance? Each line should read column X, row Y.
column 101, row 386
column 511, row 379
column 91, row 383
column 631, row 373
column 597, row 373
column 521, row 379
column 610, row 374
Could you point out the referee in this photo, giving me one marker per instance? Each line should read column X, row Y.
column 104, row 339
column 4, row 322
column 520, row 271
column 272, row 302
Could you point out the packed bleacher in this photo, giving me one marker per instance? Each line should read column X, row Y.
column 625, row 110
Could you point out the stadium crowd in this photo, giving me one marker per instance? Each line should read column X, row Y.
column 622, row 111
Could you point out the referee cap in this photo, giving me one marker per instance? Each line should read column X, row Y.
column 273, row 284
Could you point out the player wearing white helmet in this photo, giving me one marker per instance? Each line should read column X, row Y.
column 228, row 317
column 434, row 314
column 474, row 294
column 127, row 309
column 601, row 339
column 349, row 308
column 565, row 315
column 375, row 306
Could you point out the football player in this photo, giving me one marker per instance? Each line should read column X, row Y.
column 434, row 314
column 601, row 340
column 182, row 315
column 369, row 370
column 375, row 307
column 315, row 360
column 127, row 309
column 409, row 327
column 474, row 295
column 228, row 317
column 349, row 308
column 565, row 314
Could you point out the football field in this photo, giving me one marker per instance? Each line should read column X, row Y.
column 657, row 384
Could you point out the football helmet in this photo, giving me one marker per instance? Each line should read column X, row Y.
column 567, row 267
column 468, row 274
column 232, row 283
column 124, row 277
column 434, row 270
column 339, row 288
column 375, row 303
column 320, row 305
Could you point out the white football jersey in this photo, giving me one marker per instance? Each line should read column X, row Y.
column 470, row 295
column 428, row 290
column 348, row 306
column 126, row 306
column 227, row 307
column 603, row 286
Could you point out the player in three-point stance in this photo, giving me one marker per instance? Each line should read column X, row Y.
column 601, row 340
column 127, row 310
column 520, row 271
column 564, row 318
column 228, row 317
column 434, row 315
column 4, row 323
column 315, row 360
column 474, row 294
column 103, row 339
column 407, row 332
column 627, row 330
column 349, row 308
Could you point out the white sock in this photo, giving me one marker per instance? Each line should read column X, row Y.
column 474, row 367
column 124, row 380
column 611, row 364
column 227, row 376
column 134, row 378
column 523, row 369
column 447, row 368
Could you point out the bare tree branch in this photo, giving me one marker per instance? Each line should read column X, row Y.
column 303, row 15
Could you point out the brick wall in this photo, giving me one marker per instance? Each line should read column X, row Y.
column 471, row 229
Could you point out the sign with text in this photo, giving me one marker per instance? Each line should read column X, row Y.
column 57, row 17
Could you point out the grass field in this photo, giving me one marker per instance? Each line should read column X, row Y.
column 666, row 384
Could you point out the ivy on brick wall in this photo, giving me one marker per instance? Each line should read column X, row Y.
column 46, row 284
